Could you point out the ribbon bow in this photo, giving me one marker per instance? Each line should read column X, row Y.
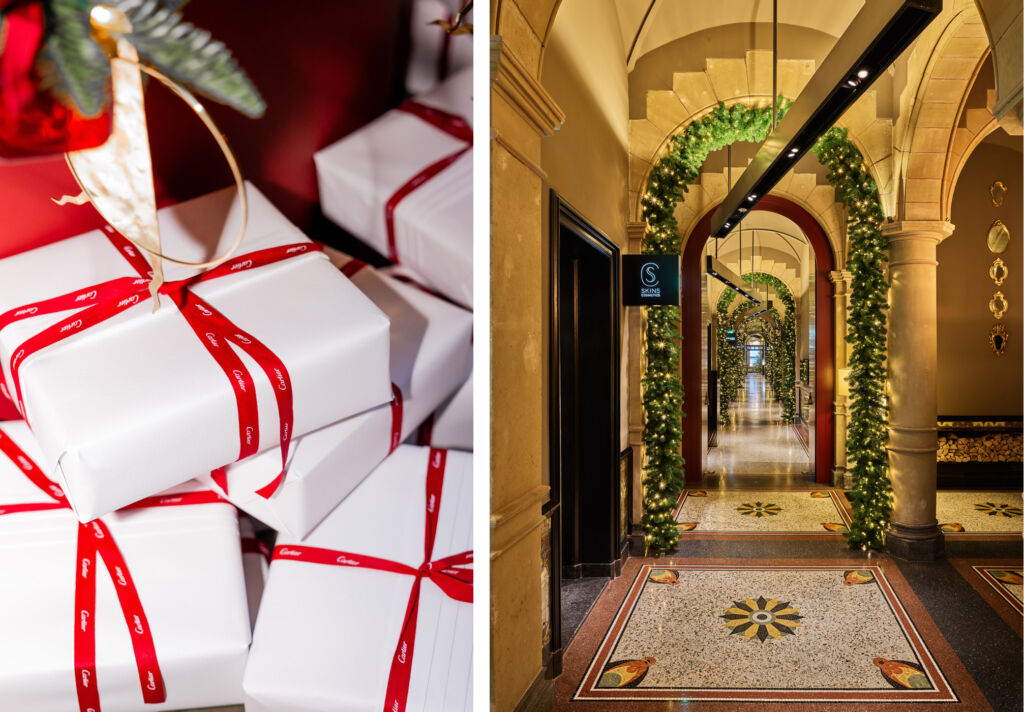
column 215, row 331
column 449, row 574
column 96, row 541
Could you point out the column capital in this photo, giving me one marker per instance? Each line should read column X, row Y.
column 937, row 230
column 522, row 90
column 842, row 279
column 635, row 232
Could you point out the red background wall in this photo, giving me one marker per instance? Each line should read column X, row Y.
column 325, row 68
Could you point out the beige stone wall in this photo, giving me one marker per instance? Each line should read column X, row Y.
column 971, row 379
column 586, row 160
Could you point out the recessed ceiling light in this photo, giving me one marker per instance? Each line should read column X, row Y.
column 863, row 74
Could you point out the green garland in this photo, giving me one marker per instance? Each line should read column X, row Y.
column 730, row 363
column 780, row 344
column 663, row 390
column 866, row 434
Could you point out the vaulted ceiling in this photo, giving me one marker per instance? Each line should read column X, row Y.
column 648, row 24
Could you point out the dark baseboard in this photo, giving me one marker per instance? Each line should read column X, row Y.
column 552, row 663
column 574, row 571
column 539, row 697
column 611, row 569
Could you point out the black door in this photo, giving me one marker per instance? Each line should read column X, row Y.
column 586, row 535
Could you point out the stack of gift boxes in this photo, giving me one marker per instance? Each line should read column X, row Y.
column 255, row 485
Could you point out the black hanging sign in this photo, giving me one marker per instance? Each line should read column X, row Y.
column 650, row 280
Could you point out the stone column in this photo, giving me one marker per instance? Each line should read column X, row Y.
column 636, row 326
column 841, row 281
column 912, row 363
column 522, row 113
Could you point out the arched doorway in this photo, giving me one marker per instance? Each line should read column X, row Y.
column 691, row 361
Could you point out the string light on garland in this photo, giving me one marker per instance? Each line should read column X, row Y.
column 867, row 433
column 780, row 348
column 664, row 474
column 663, row 394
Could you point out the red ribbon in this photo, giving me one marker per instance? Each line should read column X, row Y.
column 396, row 418
column 96, row 541
column 426, row 431
column 350, row 268
column 214, row 330
column 449, row 574
column 450, row 124
column 252, row 545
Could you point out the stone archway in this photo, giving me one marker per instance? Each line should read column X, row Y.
column 824, row 337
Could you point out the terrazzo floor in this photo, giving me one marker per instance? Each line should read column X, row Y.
column 965, row 513
column 661, row 636
column 756, row 442
column 764, row 632
column 771, row 512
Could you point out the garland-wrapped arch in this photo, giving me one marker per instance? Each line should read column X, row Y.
column 662, row 386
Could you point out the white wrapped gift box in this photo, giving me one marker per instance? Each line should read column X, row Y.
column 433, row 56
column 433, row 224
column 136, row 404
column 185, row 564
column 430, row 356
column 327, row 636
column 451, row 425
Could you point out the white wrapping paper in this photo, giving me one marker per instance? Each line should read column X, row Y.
column 326, row 635
column 431, row 345
column 186, row 565
column 428, row 44
column 136, row 405
column 434, row 223
column 453, row 421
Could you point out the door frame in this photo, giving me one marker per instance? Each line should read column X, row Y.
column 562, row 215
column 824, row 386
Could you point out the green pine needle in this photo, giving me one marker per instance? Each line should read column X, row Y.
column 72, row 65
column 190, row 55
column 866, row 325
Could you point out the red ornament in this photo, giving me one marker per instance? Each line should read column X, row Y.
column 32, row 120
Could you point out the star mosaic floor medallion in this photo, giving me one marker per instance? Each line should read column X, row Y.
column 761, row 619
column 757, row 509
column 994, row 510
column 979, row 514
column 762, row 512
column 763, row 633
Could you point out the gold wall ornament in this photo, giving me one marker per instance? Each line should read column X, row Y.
column 998, row 305
column 997, row 191
column 998, row 237
column 998, row 272
column 998, row 337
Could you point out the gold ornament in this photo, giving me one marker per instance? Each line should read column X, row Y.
column 998, row 272
column 997, row 338
column 997, row 191
column 998, row 237
column 998, row 305
column 117, row 177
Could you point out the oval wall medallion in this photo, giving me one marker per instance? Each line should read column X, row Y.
column 998, row 237
column 998, row 272
column 998, row 305
column 997, row 339
column 997, row 191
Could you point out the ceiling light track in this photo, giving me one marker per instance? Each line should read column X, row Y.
column 879, row 33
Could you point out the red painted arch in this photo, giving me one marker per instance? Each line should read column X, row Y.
column 824, row 432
